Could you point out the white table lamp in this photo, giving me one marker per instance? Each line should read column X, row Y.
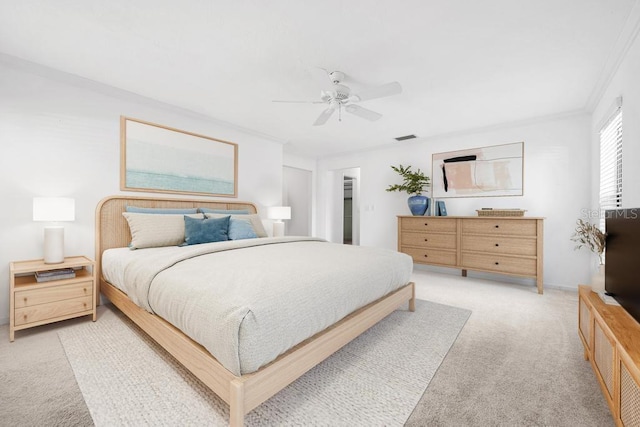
column 279, row 213
column 54, row 209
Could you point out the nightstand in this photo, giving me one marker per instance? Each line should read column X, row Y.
column 34, row 303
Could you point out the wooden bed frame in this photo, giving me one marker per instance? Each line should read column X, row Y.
column 246, row 392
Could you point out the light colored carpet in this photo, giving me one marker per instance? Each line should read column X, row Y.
column 377, row 379
column 36, row 381
column 517, row 362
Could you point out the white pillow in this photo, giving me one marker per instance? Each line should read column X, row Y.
column 153, row 230
column 254, row 218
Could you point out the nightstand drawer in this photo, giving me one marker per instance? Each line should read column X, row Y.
column 52, row 310
column 428, row 240
column 53, row 293
column 431, row 256
column 503, row 264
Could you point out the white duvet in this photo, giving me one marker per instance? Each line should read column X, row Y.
column 249, row 301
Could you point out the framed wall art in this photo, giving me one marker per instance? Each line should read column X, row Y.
column 161, row 159
column 496, row 170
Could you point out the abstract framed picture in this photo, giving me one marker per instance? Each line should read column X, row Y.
column 156, row 158
column 491, row 171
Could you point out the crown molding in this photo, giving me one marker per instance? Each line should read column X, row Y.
column 95, row 86
column 625, row 40
column 464, row 132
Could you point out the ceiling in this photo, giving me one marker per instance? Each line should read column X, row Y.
column 463, row 64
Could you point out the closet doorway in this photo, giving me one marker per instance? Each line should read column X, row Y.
column 351, row 206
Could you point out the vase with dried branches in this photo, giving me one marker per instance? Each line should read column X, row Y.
column 589, row 236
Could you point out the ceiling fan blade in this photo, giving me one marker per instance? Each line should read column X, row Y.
column 388, row 89
column 362, row 112
column 324, row 116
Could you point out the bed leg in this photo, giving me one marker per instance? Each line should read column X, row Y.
column 236, row 404
column 412, row 301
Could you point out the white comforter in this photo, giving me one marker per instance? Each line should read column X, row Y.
column 249, row 301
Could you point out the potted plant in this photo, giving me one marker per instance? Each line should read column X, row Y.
column 589, row 236
column 414, row 184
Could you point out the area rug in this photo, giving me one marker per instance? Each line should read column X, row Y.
column 376, row 380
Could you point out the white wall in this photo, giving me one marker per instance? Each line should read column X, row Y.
column 59, row 136
column 625, row 83
column 557, row 167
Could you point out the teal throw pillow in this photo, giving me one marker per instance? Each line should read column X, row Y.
column 241, row 229
column 209, row 230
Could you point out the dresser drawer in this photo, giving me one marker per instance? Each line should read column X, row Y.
column 53, row 310
column 513, row 227
column 429, row 240
column 499, row 263
column 500, row 245
column 425, row 223
column 52, row 294
column 431, row 256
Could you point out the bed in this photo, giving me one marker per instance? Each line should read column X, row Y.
column 260, row 367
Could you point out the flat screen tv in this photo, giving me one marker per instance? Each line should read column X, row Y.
column 622, row 262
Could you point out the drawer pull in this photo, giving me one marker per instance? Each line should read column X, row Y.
column 25, row 317
column 25, row 300
column 497, row 244
column 426, row 240
column 85, row 289
column 426, row 256
column 497, row 263
column 426, row 223
column 497, row 226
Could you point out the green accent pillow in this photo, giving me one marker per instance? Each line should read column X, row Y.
column 198, row 231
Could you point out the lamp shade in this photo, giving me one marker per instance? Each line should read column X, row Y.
column 279, row 212
column 54, row 209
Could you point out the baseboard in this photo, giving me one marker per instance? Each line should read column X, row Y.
column 521, row 281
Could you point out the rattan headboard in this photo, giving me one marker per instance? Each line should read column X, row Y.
column 112, row 229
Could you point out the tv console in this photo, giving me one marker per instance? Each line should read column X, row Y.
column 611, row 339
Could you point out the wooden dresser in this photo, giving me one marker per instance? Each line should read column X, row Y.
column 611, row 339
column 505, row 245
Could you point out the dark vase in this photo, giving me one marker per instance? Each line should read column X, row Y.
column 418, row 205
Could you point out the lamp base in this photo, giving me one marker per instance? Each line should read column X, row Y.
column 278, row 229
column 54, row 244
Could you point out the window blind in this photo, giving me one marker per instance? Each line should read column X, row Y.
column 611, row 165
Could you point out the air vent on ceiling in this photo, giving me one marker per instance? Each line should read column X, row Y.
column 404, row 138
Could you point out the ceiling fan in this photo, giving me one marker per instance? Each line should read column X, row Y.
column 338, row 97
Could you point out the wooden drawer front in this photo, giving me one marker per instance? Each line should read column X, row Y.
column 500, row 245
column 52, row 294
column 524, row 266
column 52, row 310
column 426, row 223
column 431, row 256
column 603, row 357
column 513, row 227
column 629, row 398
column 427, row 240
column 585, row 319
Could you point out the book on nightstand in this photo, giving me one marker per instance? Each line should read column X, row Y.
column 61, row 273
